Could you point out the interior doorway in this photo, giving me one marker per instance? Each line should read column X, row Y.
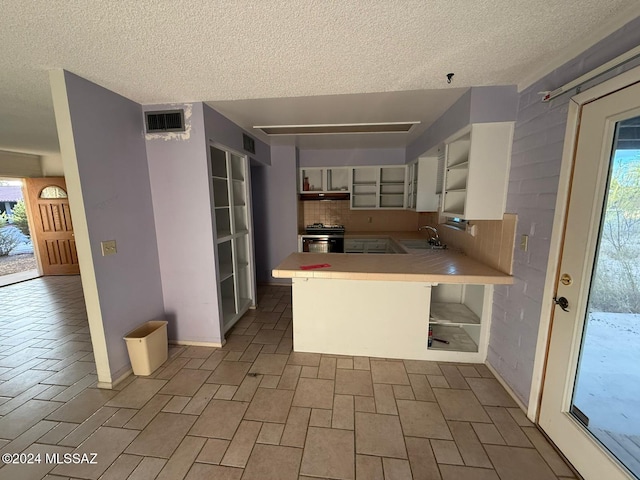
column 18, row 261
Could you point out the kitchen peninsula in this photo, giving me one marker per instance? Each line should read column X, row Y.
column 386, row 305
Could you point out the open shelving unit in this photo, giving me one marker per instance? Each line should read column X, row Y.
column 364, row 187
column 392, row 187
column 378, row 187
column 234, row 246
column 476, row 169
column 324, row 179
column 412, row 185
column 456, row 316
column 457, row 175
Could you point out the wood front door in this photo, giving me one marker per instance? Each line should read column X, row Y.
column 52, row 229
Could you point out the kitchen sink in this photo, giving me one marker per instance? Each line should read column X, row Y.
column 421, row 245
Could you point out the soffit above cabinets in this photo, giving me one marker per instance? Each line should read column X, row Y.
column 420, row 106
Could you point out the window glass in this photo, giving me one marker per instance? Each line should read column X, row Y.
column 53, row 191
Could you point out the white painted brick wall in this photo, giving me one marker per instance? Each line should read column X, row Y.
column 535, row 166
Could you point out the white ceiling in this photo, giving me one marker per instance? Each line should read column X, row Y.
column 160, row 51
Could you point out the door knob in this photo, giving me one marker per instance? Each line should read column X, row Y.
column 562, row 302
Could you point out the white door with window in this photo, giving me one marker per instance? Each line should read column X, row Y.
column 591, row 398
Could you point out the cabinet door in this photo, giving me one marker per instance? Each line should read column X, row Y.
column 489, row 163
column 427, row 200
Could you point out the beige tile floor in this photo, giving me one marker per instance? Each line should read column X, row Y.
column 251, row 410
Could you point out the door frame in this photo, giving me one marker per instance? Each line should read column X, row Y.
column 576, row 103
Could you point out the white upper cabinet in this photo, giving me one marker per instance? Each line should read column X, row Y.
column 477, row 170
column 378, row 187
column 323, row 180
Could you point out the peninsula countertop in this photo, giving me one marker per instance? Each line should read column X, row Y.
column 437, row 266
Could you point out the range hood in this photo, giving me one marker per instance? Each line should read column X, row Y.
column 325, row 196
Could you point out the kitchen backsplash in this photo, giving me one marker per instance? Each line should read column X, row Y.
column 493, row 244
column 338, row 212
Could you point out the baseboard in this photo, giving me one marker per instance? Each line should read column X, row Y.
column 122, row 375
column 507, row 388
column 197, row 344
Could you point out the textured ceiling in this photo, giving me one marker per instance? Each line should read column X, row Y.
column 156, row 51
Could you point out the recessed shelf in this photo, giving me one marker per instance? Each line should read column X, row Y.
column 452, row 313
column 459, row 340
column 454, row 213
column 365, row 183
column 459, row 165
column 226, row 271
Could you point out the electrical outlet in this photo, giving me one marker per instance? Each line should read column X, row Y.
column 108, row 247
column 472, row 229
column 524, row 243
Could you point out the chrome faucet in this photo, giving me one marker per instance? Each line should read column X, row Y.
column 434, row 238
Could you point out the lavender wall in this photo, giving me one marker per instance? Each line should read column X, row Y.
column 178, row 168
column 352, row 156
column 478, row 104
column 180, row 188
column 449, row 123
column 533, row 184
column 112, row 163
column 222, row 130
column 275, row 211
column 494, row 104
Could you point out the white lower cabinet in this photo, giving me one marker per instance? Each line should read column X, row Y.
column 391, row 319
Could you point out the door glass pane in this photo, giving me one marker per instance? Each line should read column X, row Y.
column 606, row 395
column 53, row 191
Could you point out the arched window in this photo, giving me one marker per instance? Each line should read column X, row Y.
column 53, row 191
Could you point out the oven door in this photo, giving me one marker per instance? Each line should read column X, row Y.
column 325, row 244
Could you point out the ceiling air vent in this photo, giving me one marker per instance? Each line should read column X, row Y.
column 165, row 121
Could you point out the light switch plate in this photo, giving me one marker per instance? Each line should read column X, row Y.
column 524, row 243
column 108, row 247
